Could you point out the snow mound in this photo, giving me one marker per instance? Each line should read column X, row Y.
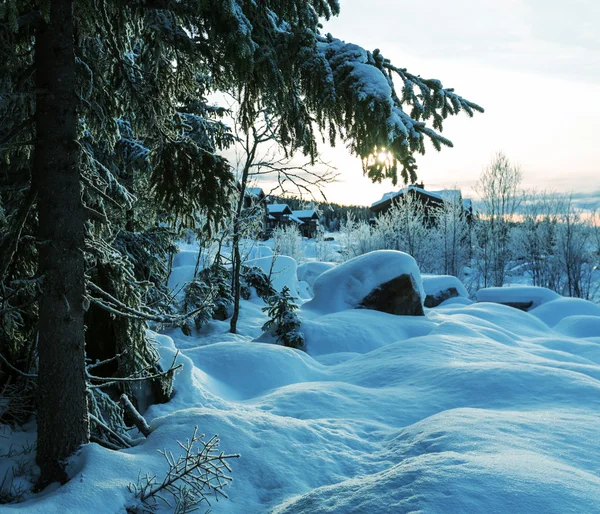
column 309, row 271
column 553, row 312
column 579, row 326
column 282, row 270
column 256, row 252
column 359, row 331
column 344, row 286
column 440, row 465
column 434, row 284
column 517, row 294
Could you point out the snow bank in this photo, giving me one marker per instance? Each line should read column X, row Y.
column 553, row 312
column 309, row 271
column 256, row 252
column 282, row 270
column 579, row 326
column 344, row 286
column 359, row 331
column 445, row 464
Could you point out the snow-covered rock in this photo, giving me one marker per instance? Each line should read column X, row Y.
column 439, row 288
column 521, row 297
column 346, row 286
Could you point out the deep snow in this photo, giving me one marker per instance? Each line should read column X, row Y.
column 473, row 408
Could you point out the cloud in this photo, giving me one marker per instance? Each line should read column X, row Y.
column 542, row 36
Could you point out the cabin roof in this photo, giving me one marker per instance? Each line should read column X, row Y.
column 278, row 208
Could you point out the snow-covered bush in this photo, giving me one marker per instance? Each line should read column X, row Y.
column 253, row 276
column 288, row 241
column 323, row 251
column 535, row 238
column 357, row 238
column 283, row 320
column 207, row 296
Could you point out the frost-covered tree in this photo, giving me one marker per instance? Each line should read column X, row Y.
column 262, row 155
column 453, row 235
column 574, row 252
column 406, row 227
column 288, row 241
column 498, row 188
column 105, row 134
column 536, row 237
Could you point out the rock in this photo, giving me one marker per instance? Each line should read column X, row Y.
column 384, row 280
column 523, row 298
column 433, row 300
column 439, row 288
column 398, row 296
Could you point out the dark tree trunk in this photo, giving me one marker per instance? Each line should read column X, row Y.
column 62, row 402
column 237, row 258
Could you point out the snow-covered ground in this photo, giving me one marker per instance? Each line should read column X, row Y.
column 476, row 407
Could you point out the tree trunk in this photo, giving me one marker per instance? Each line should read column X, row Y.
column 236, row 262
column 62, row 402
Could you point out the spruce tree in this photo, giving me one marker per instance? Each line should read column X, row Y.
column 106, row 137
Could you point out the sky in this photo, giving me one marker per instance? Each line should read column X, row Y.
column 534, row 65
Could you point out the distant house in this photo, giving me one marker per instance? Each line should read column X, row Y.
column 431, row 200
column 310, row 222
column 253, row 195
column 255, row 201
column 280, row 215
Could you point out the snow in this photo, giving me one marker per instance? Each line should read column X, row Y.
column 472, row 408
column 309, row 271
column 517, row 294
column 434, row 284
column 294, row 218
column 344, row 286
column 281, row 269
column 555, row 311
column 278, row 208
column 306, row 213
column 257, row 252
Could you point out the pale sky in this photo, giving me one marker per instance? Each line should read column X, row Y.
column 534, row 65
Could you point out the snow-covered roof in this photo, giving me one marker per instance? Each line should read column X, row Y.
column 446, row 194
column 256, row 192
column 306, row 213
column 278, row 208
column 443, row 195
column 295, row 218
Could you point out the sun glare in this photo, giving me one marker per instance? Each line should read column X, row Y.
column 382, row 157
